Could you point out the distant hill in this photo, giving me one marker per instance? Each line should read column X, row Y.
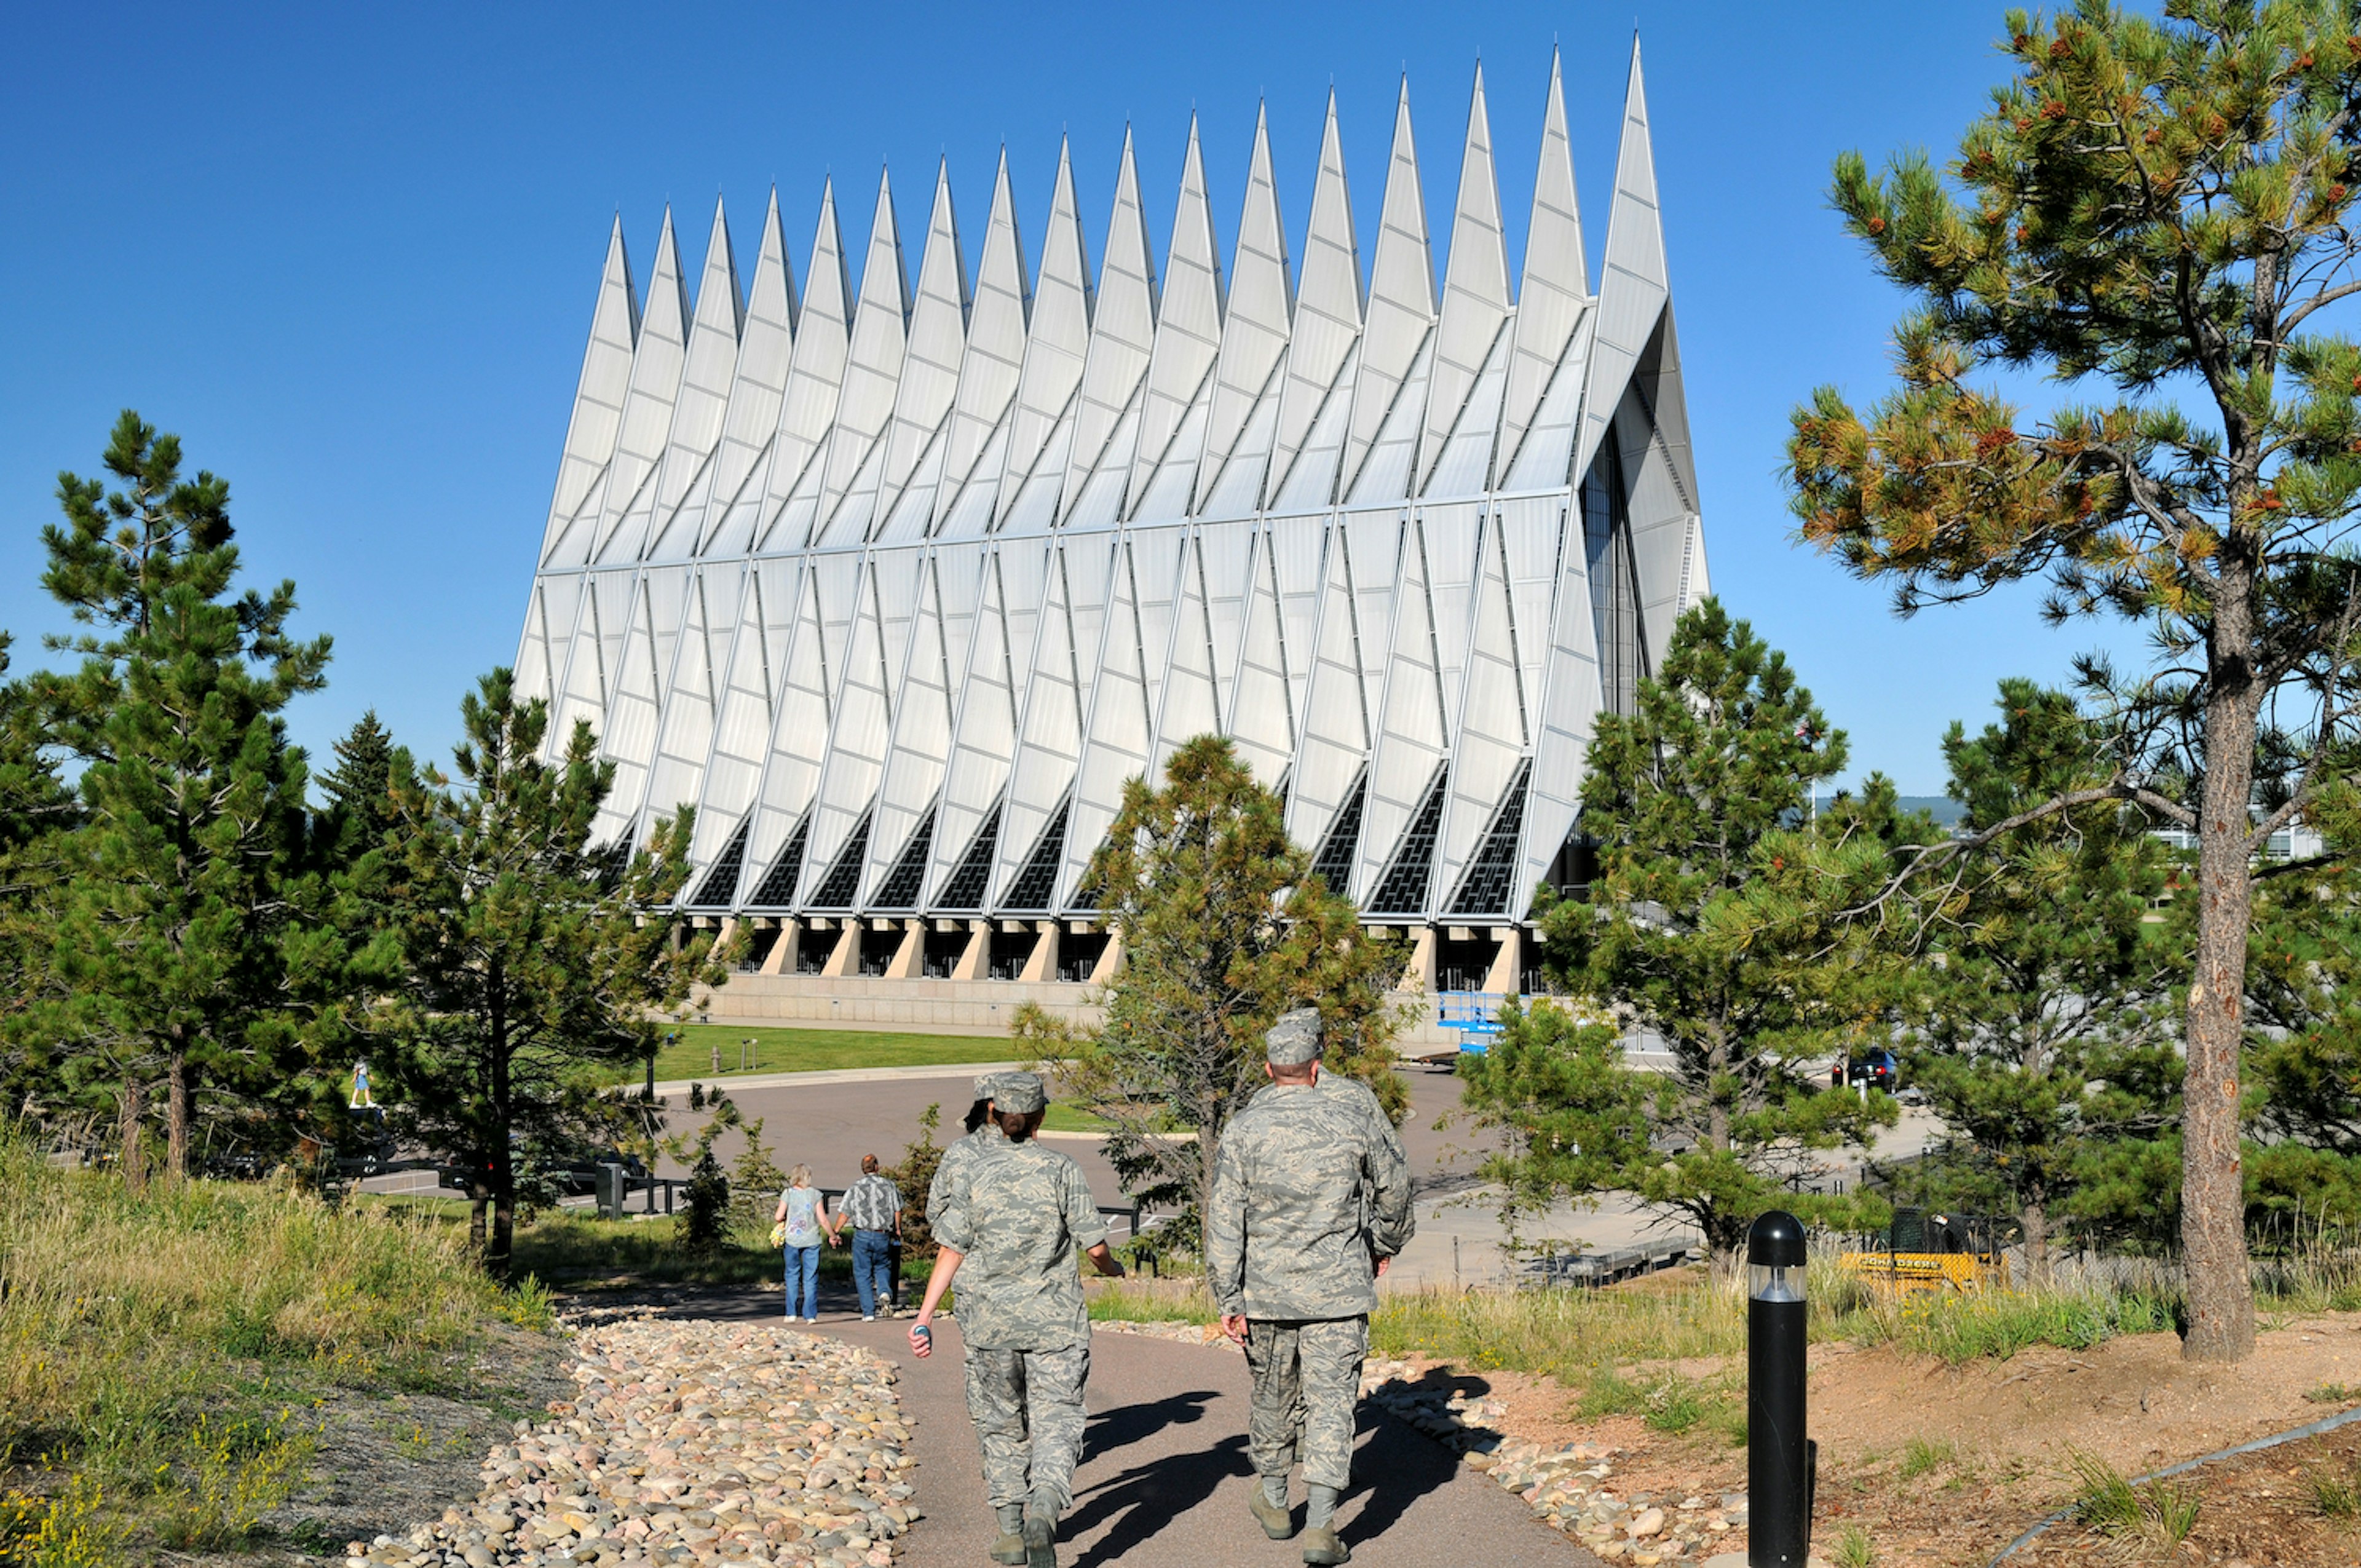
column 1941, row 808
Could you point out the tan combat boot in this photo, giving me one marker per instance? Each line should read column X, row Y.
column 1323, row 1548
column 1010, row 1547
column 1278, row 1520
column 1040, row 1539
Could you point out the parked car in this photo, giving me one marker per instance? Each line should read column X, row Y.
column 1876, row 1066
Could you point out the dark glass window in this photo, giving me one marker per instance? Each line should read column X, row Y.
column 1491, row 876
column 778, row 889
column 1038, row 880
column 1334, row 863
column 843, row 879
column 720, row 883
column 966, row 887
column 1403, row 891
column 900, row 888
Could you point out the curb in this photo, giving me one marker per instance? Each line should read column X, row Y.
column 2310, row 1429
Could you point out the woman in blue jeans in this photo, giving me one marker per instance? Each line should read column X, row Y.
column 804, row 1211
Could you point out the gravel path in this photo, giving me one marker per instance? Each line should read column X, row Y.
column 691, row 1440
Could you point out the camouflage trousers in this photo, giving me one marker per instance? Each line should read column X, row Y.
column 1307, row 1385
column 1028, row 1408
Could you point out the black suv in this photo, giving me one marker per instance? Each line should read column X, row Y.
column 1875, row 1067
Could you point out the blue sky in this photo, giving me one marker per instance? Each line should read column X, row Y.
column 349, row 253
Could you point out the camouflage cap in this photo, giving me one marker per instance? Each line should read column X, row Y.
column 1020, row 1092
column 984, row 1085
column 1295, row 1038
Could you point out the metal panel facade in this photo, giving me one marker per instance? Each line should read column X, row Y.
column 899, row 589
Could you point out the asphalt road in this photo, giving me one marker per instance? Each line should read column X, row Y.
column 830, row 1126
column 1165, row 1474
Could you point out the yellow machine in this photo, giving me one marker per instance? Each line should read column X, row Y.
column 1925, row 1251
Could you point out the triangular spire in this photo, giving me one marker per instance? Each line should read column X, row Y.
column 1254, row 336
column 719, row 285
column 1401, row 295
column 872, row 368
column 766, row 349
column 677, row 524
column 1556, row 283
column 1327, row 311
column 1476, row 293
column 1632, row 288
column 995, row 347
column 930, row 367
column 815, row 383
column 597, row 410
column 1189, row 322
column 656, row 363
column 1123, row 334
column 1060, row 337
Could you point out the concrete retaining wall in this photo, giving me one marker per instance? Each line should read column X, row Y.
column 949, row 1006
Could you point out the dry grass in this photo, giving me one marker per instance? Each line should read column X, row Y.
column 1564, row 1332
column 1137, row 1298
column 159, row 1350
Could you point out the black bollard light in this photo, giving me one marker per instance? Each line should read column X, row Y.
column 1778, row 1455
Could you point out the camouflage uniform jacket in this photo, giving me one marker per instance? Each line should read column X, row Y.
column 949, row 1186
column 1028, row 1211
column 1310, row 1189
column 948, row 1192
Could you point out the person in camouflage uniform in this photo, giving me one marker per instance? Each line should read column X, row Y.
column 984, row 1136
column 1009, row 1232
column 1311, row 1201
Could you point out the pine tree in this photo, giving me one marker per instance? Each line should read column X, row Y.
column 2046, row 1020
column 170, row 935
column 2304, row 1046
column 530, row 968
column 2160, row 212
column 38, row 814
column 1692, row 800
column 1223, row 927
column 359, row 791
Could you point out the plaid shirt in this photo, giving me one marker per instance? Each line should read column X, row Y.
column 871, row 1204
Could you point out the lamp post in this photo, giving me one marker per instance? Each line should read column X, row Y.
column 1778, row 1455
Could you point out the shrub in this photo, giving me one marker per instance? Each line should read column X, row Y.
column 1922, row 1456
column 2156, row 1517
column 914, row 1176
column 707, row 1197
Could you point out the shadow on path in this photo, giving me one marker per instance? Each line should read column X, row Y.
column 1392, row 1469
column 1127, row 1424
column 1141, row 1501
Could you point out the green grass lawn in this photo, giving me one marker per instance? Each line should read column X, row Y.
column 814, row 1050
column 573, row 1249
column 1069, row 1119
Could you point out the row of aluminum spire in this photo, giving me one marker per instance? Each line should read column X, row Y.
column 899, row 586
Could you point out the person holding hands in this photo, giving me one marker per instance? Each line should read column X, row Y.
column 1025, row 1210
column 804, row 1219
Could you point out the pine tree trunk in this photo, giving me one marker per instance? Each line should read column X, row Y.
column 2213, row 1197
column 503, row 1220
column 132, row 1117
column 479, row 1199
column 2034, row 1218
column 176, row 1116
column 1208, row 1147
column 496, row 1257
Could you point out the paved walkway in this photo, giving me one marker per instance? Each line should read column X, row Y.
column 1165, row 1475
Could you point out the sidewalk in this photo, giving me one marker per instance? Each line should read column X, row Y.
column 730, row 1082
